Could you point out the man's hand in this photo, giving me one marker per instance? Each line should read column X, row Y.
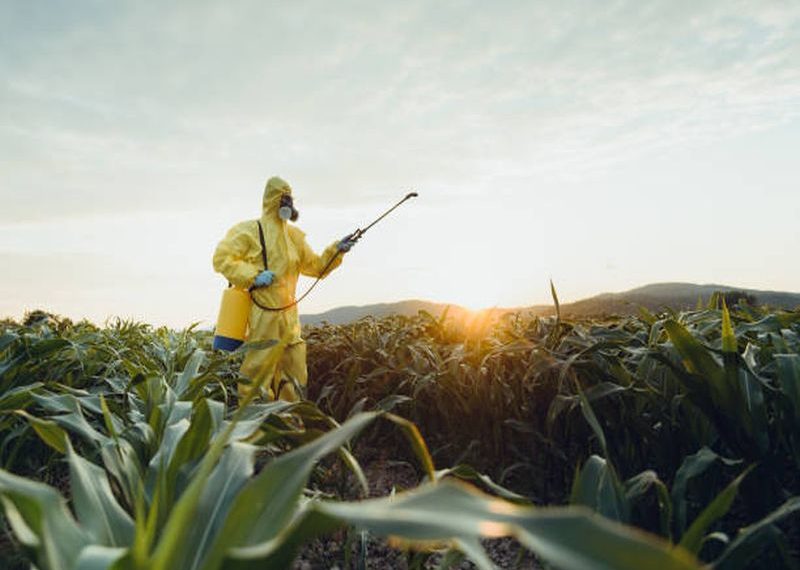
column 346, row 243
column 264, row 279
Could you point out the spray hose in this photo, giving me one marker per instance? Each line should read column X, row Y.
column 354, row 237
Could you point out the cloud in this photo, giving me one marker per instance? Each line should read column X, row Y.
column 146, row 98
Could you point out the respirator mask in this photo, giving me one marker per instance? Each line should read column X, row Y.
column 286, row 210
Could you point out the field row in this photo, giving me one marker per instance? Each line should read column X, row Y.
column 685, row 426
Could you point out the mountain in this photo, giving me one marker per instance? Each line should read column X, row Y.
column 348, row 314
column 654, row 297
column 657, row 296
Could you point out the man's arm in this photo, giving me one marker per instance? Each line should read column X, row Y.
column 231, row 254
column 311, row 264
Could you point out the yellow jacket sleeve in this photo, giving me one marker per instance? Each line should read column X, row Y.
column 312, row 264
column 233, row 255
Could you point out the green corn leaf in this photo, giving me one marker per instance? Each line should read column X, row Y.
column 564, row 537
column 692, row 539
column 692, row 466
column 728, row 337
column 157, row 480
column 418, row 445
column 95, row 557
column 355, row 468
column 281, row 551
column 754, row 414
column 57, row 403
column 751, row 540
column 122, row 464
column 604, row 389
column 48, row 346
column 229, row 476
column 172, row 437
column 468, row 473
column 637, row 486
column 268, row 502
column 194, row 442
column 696, row 357
column 41, row 520
column 647, row 316
column 18, row 398
column 191, row 370
column 76, row 423
column 706, row 374
column 173, row 541
column 390, row 402
column 95, row 504
column 7, row 339
column 49, row 432
column 789, row 378
column 555, row 301
column 108, row 420
column 252, row 417
column 146, row 521
column 591, row 418
column 596, row 486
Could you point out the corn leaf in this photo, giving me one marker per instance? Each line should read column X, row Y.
column 41, row 520
column 49, row 432
column 95, row 504
column 692, row 540
column 268, row 502
column 751, row 540
column 565, row 537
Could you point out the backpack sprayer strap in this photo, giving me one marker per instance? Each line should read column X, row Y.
column 263, row 245
column 266, row 266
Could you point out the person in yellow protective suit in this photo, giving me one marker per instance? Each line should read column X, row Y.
column 238, row 257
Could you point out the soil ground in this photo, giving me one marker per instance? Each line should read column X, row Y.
column 386, row 474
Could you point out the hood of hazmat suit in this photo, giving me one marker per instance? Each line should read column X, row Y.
column 238, row 258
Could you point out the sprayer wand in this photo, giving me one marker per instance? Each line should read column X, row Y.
column 354, row 237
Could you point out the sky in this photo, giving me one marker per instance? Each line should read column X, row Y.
column 603, row 145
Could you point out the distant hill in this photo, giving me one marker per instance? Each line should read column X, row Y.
column 348, row 314
column 654, row 297
column 675, row 295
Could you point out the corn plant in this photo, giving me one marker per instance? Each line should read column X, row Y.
column 598, row 486
column 673, row 394
column 227, row 519
column 663, row 387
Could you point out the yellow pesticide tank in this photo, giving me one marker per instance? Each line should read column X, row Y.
column 234, row 313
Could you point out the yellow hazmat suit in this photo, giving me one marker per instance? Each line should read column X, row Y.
column 238, row 258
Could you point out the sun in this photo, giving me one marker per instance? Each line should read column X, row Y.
column 477, row 300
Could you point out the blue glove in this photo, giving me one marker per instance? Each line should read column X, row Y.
column 264, row 279
column 346, row 243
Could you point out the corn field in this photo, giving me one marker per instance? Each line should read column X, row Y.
column 656, row 441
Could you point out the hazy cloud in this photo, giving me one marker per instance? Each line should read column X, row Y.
column 137, row 98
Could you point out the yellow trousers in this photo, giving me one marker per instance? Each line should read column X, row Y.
column 275, row 378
